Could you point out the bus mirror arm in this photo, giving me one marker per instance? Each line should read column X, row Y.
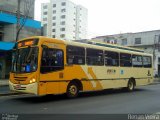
column 68, row 64
column 44, row 46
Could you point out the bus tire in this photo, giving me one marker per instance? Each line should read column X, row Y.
column 72, row 90
column 131, row 85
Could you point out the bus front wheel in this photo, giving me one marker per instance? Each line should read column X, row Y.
column 72, row 90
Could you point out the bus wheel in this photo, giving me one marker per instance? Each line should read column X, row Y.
column 131, row 85
column 72, row 90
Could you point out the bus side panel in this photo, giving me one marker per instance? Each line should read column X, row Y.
column 63, row 87
column 49, row 83
column 75, row 72
column 145, row 76
column 42, row 88
column 104, row 77
column 110, row 77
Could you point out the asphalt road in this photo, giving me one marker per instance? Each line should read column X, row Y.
column 145, row 99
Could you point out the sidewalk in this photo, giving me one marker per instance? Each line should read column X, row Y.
column 156, row 81
column 4, row 82
column 4, row 88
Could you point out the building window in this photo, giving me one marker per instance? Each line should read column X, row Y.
column 54, row 24
column 54, row 17
column 94, row 57
column 63, row 23
column 62, row 35
column 63, row 10
column 63, row 16
column 53, row 30
column 54, row 11
column 159, row 60
column 75, row 55
column 44, row 19
column 45, row 7
column 1, row 37
column 45, row 25
column 62, row 29
column 137, row 40
column 45, row 13
column 124, row 41
column 53, row 36
column 63, row 3
column 54, row 5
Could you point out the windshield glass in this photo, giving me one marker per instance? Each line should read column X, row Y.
column 25, row 60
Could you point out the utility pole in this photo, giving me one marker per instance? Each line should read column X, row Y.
column 156, row 47
column 18, row 20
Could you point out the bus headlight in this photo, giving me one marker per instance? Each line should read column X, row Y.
column 32, row 80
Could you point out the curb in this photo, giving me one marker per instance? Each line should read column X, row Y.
column 4, row 85
column 11, row 93
column 155, row 83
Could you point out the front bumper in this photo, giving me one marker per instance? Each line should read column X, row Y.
column 29, row 88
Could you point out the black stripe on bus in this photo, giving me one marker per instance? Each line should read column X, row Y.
column 95, row 79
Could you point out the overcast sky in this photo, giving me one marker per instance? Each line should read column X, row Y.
column 106, row 17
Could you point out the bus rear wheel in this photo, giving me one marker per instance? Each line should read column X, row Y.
column 131, row 85
column 72, row 90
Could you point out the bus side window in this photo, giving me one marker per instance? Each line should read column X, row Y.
column 111, row 58
column 137, row 61
column 147, row 61
column 125, row 60
column 75, row 55
column 94, row 57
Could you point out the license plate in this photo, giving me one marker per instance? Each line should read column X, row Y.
column 18, row 86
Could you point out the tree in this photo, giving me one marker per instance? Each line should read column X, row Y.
column 21, row 19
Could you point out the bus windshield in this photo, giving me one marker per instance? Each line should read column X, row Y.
column 25, row 60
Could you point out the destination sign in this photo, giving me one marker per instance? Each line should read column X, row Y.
column 30, row 42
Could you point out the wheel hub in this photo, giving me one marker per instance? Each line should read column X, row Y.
column 130, row 85
column 73, row 89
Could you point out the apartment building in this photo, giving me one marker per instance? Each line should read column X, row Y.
column 63, row 19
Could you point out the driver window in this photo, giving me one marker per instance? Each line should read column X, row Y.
column 52, row 60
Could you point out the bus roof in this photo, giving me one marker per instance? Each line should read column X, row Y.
column 90, row 44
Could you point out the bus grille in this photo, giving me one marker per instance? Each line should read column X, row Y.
column 20, row 78
column 19, row 88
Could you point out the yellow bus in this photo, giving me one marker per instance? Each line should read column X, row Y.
column 42, row 66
